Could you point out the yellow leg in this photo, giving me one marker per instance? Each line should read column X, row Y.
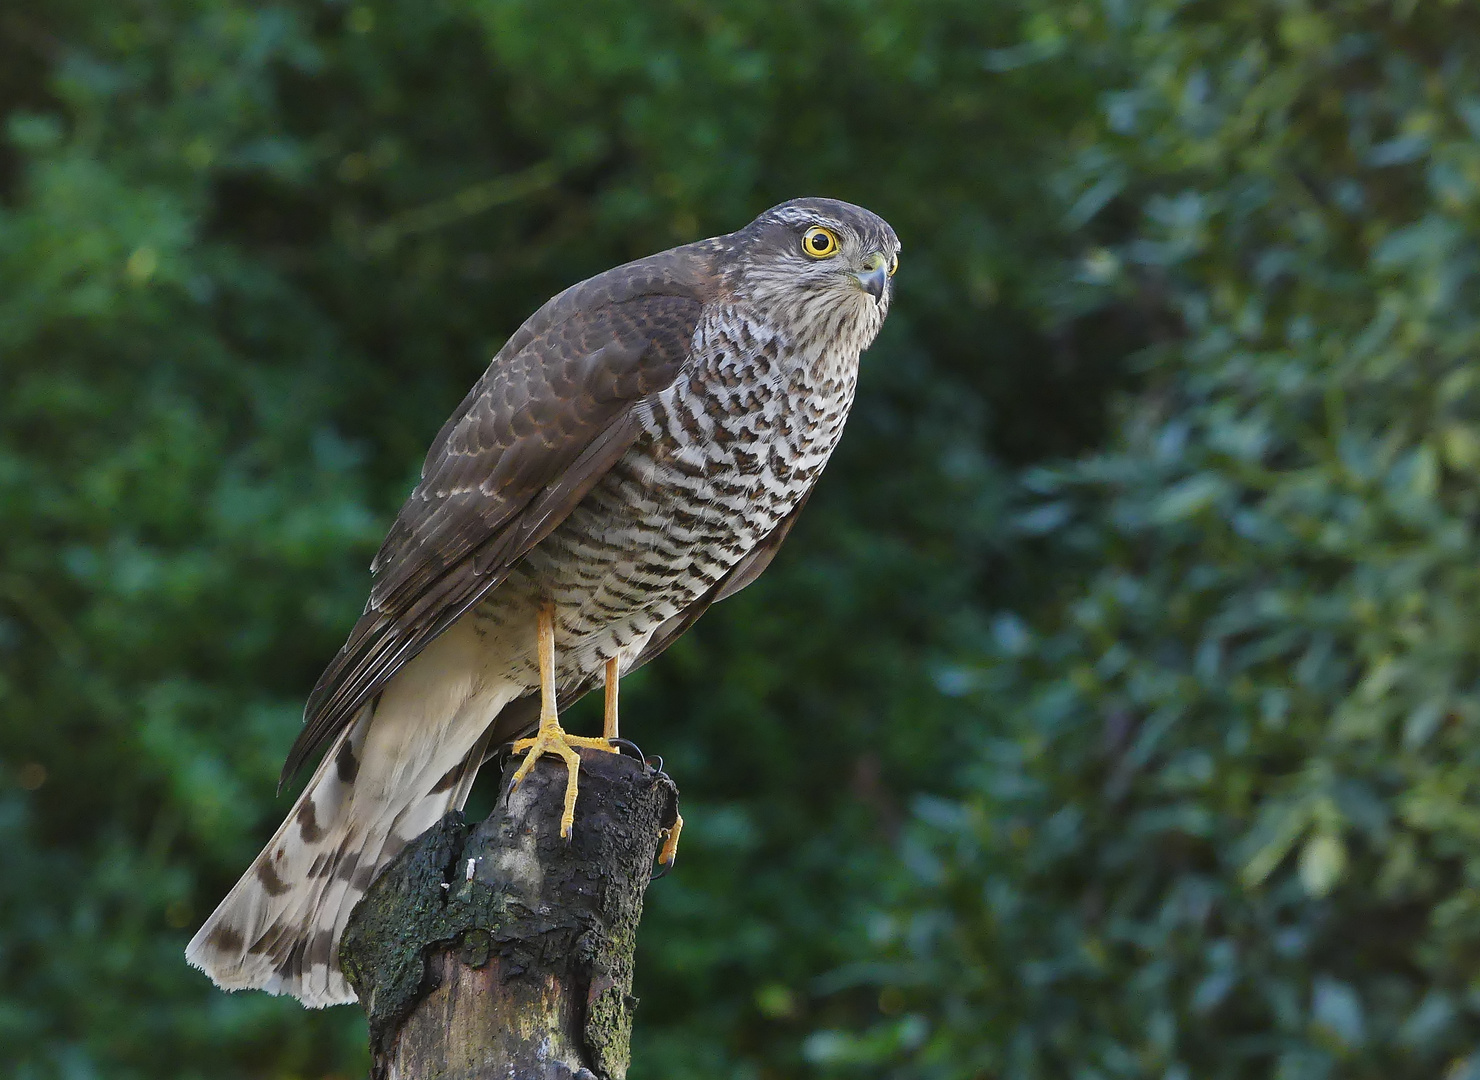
column 609, row 721
column 551, row 737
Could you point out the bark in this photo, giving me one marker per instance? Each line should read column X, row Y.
column 518, row 966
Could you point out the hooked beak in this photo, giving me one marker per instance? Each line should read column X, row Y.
column 875, row 275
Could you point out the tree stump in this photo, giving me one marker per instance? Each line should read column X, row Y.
column 506, row 951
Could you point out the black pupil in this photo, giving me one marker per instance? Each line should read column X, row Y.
column 819, row 242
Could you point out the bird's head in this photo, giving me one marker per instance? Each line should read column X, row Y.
column 821, row 265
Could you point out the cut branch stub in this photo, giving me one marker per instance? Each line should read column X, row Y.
column 508, row 952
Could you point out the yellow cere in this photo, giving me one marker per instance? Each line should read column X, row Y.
column 819, row 242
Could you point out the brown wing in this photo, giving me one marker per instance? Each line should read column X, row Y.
column 553, row 412
column 520, row 716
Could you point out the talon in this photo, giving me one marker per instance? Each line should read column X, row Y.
column 553, row 740
column 630, row 748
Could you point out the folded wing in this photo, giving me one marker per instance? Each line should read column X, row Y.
column 553, row 412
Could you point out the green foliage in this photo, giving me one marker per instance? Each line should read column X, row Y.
column 250, row 257
column 1214, row 682
column 1224, row 822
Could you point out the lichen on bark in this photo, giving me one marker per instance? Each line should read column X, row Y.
column 532, row 936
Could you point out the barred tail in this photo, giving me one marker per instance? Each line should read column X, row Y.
column 402, row 764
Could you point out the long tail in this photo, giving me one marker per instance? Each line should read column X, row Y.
column 406, row 761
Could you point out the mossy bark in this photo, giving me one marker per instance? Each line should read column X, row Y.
column 505, row 951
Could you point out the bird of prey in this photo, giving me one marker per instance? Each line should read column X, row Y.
column 635, row 452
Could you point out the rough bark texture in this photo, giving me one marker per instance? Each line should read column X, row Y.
column 518, row 966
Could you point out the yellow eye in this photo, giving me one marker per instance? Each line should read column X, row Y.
column 819, row 242
column 893, row 264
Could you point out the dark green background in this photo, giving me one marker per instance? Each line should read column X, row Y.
column 1113, row 711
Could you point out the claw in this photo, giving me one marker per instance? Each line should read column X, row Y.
column 630, row 748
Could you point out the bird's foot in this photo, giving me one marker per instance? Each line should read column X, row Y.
column 551, row 738
column 669, row 851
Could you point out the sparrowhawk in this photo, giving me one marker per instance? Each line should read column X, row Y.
column 636, row 451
